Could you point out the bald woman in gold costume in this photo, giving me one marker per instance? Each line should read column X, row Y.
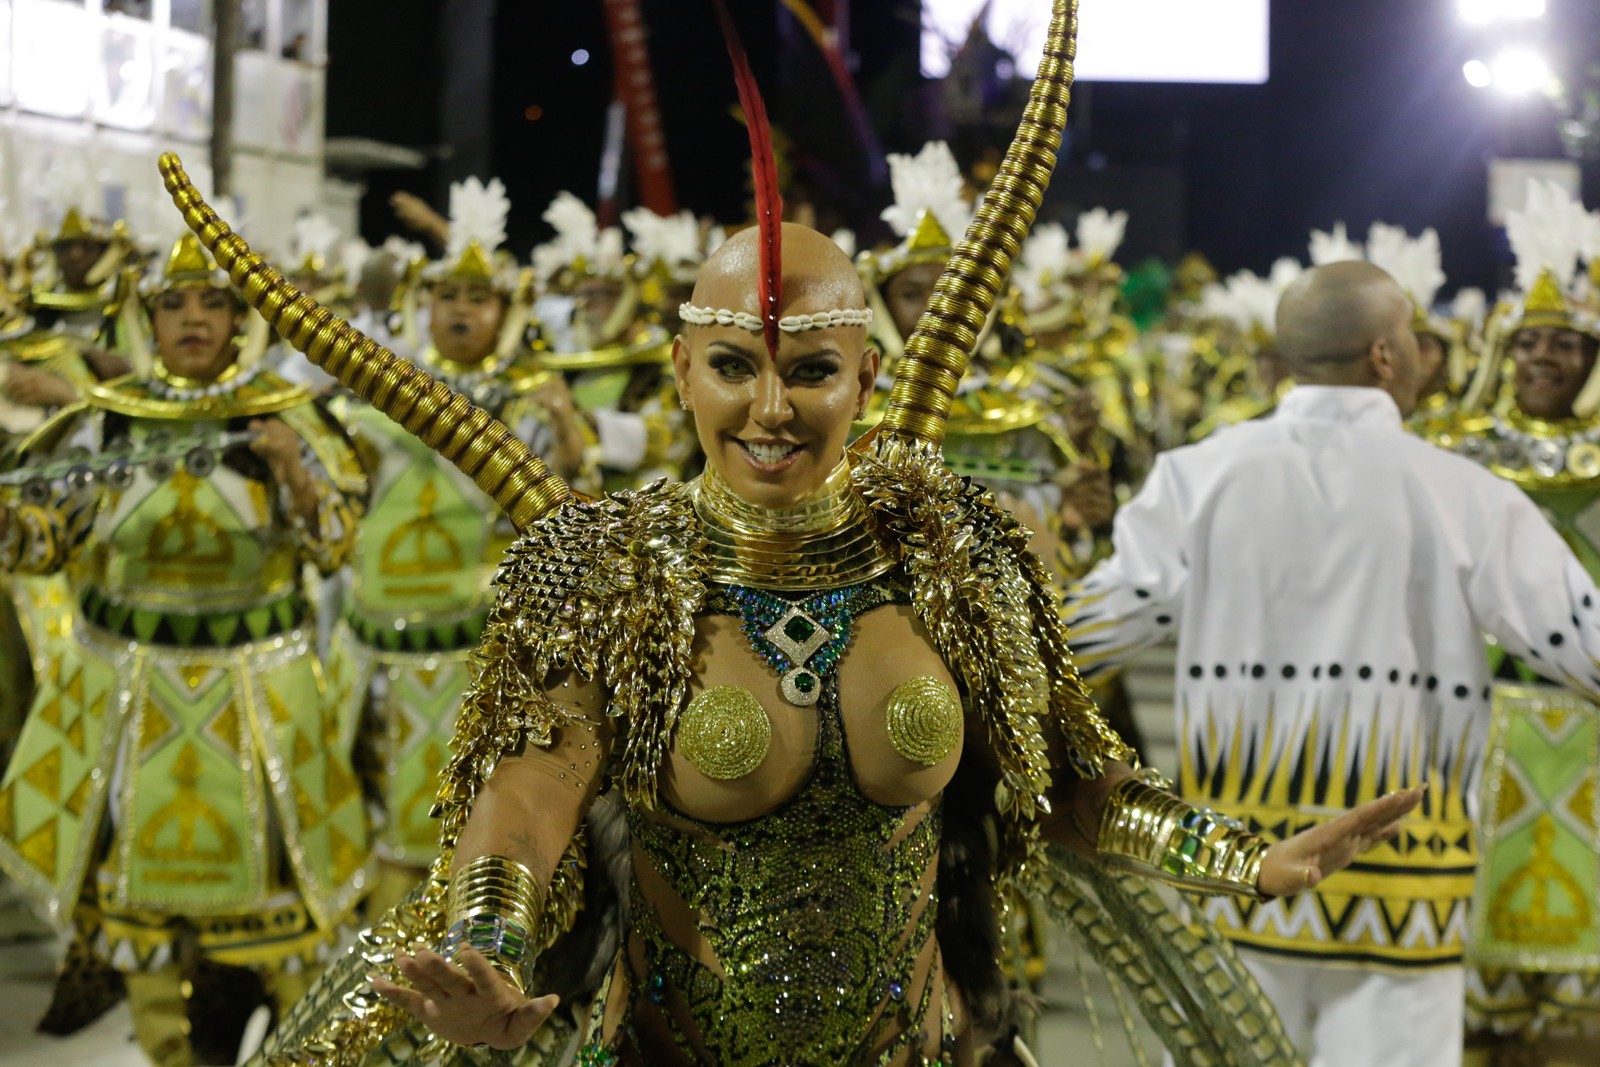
column 826, row 690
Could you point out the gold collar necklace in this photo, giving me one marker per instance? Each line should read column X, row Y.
column 445, row 367
column 824, row 542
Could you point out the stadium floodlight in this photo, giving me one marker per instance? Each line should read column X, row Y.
column 1481, row 12
column 1520, row 71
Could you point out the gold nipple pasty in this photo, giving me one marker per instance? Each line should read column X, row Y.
column 925, row 720
column 724, row 733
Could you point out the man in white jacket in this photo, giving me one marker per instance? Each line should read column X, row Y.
column 1329, row 578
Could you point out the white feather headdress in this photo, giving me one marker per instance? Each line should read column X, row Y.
column 1250, row 301
column 407, row 252
column 1335, row 247
column 66, row 184
column 578, row 238
column 1547, row 234
column 1414, row 262
column 1470, row 306
column 931, row 182
column 669, row 240
column 478, row 212
column 1045, row 263
column 1100, row 233
column 353, row 256
column 314, row 242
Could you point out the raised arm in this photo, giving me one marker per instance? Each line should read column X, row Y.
column 1528, row 590
column 1129, row 601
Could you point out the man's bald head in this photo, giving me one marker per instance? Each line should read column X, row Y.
column 817, row 275
column 1332, row 314
column 1349, row 324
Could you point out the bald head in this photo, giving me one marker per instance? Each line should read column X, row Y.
column 1350, row 324
column 817, row 275
column 1331, row 316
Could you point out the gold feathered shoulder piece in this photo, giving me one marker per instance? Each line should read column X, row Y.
column 608, row 589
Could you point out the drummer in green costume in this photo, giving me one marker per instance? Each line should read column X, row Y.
column 182, row 793
column 64, row 307
column 1531, row 417
column 430, row 540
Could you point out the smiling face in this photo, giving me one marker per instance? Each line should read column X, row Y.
column 194, row 329
column 774, row 429
column 464, row 321
column 1551, row 364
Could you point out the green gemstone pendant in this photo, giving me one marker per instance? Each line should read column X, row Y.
column 801, row 687
column 798, row 636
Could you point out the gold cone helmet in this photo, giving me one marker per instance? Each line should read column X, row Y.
column 75, row 227
column 472, row 267
column 188, row 263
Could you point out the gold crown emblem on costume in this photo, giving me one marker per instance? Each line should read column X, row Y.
column 1554, row 910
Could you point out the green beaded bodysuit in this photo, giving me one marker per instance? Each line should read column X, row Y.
column 819, row 915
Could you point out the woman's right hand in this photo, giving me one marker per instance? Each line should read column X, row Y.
column 469, row 1005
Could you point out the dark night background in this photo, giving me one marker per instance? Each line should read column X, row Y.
column 1366, row 116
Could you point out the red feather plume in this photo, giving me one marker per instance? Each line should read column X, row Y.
column 769, row 203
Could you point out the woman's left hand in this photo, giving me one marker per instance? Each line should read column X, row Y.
column 1304, row 860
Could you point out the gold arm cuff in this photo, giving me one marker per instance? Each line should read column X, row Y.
column 494, row 905
column 1153, row 832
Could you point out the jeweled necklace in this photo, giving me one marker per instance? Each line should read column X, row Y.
column 803, row 640
column 168, row 385
column 826, row 541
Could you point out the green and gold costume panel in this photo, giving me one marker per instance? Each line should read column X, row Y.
column 184, row 710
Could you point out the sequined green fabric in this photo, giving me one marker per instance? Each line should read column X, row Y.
column 815, row 912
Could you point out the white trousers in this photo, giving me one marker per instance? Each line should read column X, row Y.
column 1360, row 1017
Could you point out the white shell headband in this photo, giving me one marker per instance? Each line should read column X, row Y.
column 817, row 320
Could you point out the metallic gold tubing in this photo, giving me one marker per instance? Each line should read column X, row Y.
column 936, row 353
column 466, row 435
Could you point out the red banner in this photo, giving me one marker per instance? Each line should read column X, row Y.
column 636, row 88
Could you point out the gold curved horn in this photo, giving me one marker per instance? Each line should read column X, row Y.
column 936, row 354
column 447, row 422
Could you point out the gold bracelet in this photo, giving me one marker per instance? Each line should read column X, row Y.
column 493, row 905
column 1153, row 831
